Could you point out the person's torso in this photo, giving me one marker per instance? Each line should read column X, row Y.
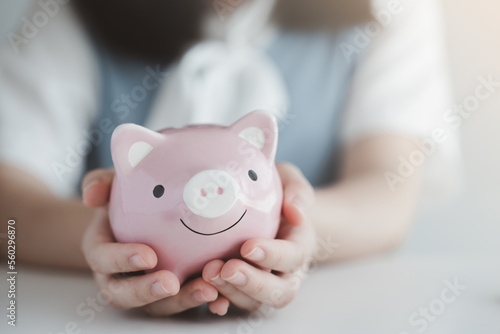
column 317, row 77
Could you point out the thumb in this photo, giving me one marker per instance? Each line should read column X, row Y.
column 96, row 187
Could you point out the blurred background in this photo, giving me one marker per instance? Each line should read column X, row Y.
column 473, row 219
column 472, row 30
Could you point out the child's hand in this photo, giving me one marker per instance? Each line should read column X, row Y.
column 247, row 286
column 159, row 292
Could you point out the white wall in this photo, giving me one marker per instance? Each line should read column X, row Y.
column 472, row 222
column 474, row 50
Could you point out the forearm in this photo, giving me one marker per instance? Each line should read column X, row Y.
column 48, row 229
column 361, row 212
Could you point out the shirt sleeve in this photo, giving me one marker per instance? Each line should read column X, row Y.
column 48, row 86
column 402, row 86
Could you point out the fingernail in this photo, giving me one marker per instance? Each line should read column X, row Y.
column 256, row 254
column 159, row 290
column 138, row 262
column 237, row 279
column 90, row 184
column 221, row 314
column 218, row 281
column 299, row 204
column 199, row 296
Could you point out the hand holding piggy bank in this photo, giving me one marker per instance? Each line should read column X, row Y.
column 198, row 193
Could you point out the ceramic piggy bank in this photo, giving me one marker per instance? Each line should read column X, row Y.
column 198, row 193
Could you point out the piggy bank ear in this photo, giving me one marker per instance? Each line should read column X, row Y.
column 260, row 129
column 130, row 144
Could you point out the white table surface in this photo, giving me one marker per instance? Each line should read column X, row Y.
column 372, row 295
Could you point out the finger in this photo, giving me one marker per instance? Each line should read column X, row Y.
column 262, row 286
column 108, row 257
column 298, row 194
column 211, row 274
column 96, row 187
column 281, row 255
column 220, row 306
column 125, row 293
column 193, row 294
column 113, row 258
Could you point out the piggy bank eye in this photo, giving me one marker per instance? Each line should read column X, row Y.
column 252, row 175
column 158, row 191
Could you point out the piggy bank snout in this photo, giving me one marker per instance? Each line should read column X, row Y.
column 211, row 193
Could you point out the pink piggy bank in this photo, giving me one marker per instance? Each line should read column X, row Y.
column 198, row 193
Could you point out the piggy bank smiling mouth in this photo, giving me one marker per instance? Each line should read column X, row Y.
column 209, row 234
